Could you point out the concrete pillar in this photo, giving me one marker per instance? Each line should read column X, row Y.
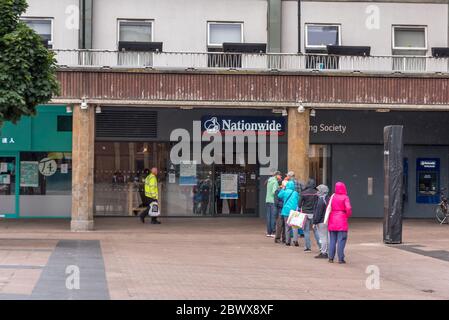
column 83, row 147
column 298, row 143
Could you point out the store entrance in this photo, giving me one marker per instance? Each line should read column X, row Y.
column 185, row 190
column 244, row 199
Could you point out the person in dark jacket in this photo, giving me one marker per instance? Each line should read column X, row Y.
column 280, row 226
column 318, row 220
column 309, row 199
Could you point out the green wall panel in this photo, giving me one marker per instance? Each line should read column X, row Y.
column 38, row 133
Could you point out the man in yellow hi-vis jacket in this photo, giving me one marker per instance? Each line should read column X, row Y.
column 152, row 195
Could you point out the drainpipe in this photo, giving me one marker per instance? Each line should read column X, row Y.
column 274, row 26
column 85, row 32
column 299, row 26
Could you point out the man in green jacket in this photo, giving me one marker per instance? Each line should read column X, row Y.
column 272, row 186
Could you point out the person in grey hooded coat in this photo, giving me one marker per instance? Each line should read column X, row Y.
column 318, row 220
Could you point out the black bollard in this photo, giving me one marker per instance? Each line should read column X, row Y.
column 393, row 184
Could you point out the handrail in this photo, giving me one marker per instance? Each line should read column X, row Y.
column 250, row 61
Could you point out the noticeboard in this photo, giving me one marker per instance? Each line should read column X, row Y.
column 29, row 174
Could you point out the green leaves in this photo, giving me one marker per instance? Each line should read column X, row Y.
column 27, row 68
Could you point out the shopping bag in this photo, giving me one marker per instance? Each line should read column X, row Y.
column 291, row 215
column 328, row 210
column 297, row 219
column 154, row 209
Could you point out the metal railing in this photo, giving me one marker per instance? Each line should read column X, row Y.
column 250, row 61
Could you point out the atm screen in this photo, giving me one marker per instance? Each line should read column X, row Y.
column 428, row 183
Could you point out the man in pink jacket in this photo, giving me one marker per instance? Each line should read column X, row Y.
column 338, row 222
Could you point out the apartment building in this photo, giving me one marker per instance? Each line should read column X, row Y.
column 329, row 74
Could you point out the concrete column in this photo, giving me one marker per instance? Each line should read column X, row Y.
column 83, row 168
column 298, row 143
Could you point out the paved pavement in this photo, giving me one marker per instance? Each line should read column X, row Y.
column 214, row 259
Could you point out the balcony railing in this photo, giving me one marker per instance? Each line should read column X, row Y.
column 250, row 61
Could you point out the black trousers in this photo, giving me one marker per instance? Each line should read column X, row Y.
column 144, row 213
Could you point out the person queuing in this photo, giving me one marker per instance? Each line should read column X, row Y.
column 151, row 194
column 272, row 186
column 340, row 212
column 290, row 198
column 318, row 220
column 280, row 225
column 309, row 199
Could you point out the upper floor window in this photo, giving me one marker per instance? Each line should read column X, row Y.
column 221, row 32
column 43, row 27
column 409, row 45
column 318, row 36
column 135, row 30
column 409, row 38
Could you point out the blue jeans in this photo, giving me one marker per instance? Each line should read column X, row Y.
column 271, row 218
column 307, row 227
column 337, row 239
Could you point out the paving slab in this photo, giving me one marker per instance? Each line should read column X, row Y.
column 216, row 258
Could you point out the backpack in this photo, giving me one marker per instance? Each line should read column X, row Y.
column 278, row 202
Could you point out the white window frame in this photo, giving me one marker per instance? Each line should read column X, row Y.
column 393, row 29
column 306, row 37
column 149, row 21
column 23, row 19
column 214, row 45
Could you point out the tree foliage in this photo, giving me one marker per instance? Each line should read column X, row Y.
column 27, row 68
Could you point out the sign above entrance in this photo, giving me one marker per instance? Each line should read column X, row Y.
column 214, row 124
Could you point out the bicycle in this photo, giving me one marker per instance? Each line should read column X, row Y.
column 442, row 209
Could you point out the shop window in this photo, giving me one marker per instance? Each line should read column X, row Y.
column 320, row 164
column 7, row 185
column 45, row 184
column 64, row 123
column 219, row 33
column 45, row 173
column 43, row 27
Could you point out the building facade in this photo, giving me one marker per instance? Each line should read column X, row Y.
column 329, row 75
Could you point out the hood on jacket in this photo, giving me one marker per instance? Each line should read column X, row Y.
column 340, row 188
column 311, row 184
column 323, row 190
column 290, row 185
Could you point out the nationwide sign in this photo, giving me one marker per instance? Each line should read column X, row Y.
column 260, row 125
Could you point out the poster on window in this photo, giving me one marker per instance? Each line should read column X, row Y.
column 64, row 168
column 3, row 167
column 5, row 179
column 187, row 173
column 29, row 174
column 229, row 186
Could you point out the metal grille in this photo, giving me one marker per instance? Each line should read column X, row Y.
column 126, row 124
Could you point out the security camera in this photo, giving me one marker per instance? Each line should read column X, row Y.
column 301, row 108
column 84, row 105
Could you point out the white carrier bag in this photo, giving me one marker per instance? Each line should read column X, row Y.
column 154, row 209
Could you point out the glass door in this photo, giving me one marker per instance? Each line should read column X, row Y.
column 237, row 194
column 8, row 185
